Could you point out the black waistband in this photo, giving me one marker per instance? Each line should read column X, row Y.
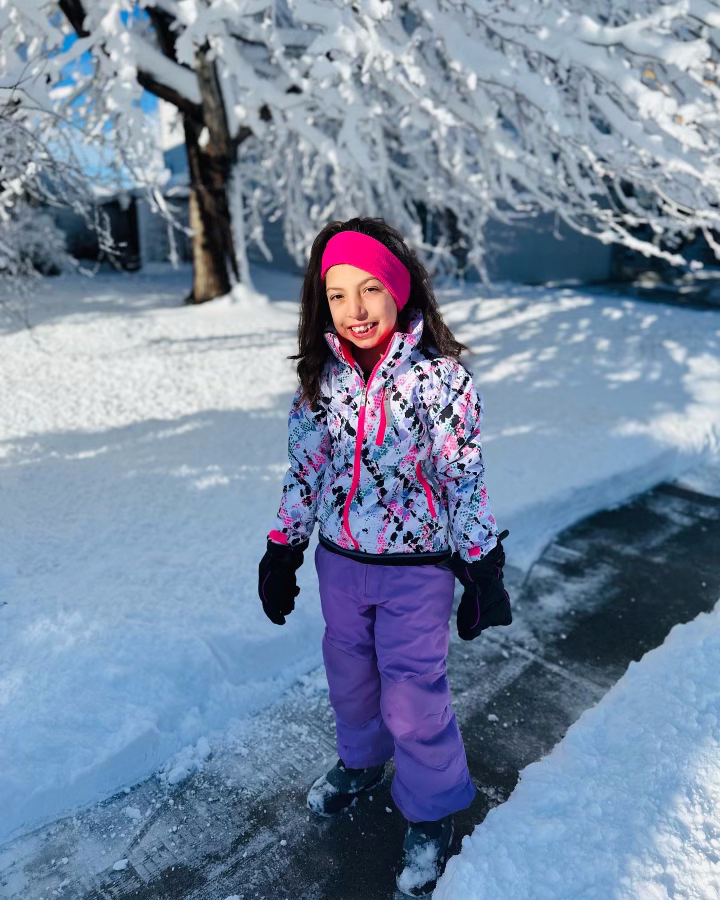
column 388, row 559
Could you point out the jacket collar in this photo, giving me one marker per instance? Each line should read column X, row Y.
column 395, row 354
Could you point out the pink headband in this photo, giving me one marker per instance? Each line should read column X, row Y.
column 363, row 251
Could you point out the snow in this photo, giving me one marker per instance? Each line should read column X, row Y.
column 142, row 450
column 178, row 79
column 705, row 480
column 190, row 759
column 318, row 795
column 626, row 804
column 421, row 867
column 496, row 113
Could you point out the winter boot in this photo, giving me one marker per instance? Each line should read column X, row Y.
column 335, row 791
column 425, row 852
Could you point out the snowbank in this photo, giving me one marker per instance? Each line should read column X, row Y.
column 626, row 804
column 142, row 449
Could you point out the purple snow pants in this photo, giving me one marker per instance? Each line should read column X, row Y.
column 385, row 649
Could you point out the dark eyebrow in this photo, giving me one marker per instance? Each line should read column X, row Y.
column 364, row 281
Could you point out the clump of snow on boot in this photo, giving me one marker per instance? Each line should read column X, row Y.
column 319, row 794
column 421, row 867
column 338, row 789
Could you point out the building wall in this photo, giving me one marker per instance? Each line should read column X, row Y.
column 540, row 250
column 273, row 236
column 530, row 253
column 533, row 252
column 82, row 241
column 154, row 234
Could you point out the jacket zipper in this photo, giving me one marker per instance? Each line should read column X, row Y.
column 428, row 493
column 358, row 448
column 381, row 430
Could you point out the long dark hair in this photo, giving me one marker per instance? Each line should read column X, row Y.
column 315, row 311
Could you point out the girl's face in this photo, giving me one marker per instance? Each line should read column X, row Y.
column 362, row 308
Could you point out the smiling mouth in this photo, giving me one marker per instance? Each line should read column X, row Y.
column 364, row 329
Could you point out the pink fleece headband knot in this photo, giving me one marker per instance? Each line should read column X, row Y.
column 356, row 249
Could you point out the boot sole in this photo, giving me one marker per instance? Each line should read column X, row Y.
column 350, row 797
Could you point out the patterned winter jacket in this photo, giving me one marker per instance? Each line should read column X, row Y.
column 391, row 466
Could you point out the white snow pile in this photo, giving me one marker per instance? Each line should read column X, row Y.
column 142, row 450
column 190, row 759
column 626, row 805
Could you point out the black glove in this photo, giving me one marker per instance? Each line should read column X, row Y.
column 485, row 602
column 277, row 585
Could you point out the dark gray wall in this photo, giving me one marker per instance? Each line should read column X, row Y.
column 541, row 251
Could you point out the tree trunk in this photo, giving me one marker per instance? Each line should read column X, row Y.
column 211, row 151
column 214, row 264
column 210, row 154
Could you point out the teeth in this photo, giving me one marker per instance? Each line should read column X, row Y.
column 362, row 329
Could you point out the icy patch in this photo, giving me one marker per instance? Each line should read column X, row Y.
column 120, row 865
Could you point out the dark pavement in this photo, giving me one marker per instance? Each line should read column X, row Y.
column 602, row 594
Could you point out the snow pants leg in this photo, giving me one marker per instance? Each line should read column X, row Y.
column 385, row 650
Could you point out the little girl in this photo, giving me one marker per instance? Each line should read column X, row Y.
column 384, row 446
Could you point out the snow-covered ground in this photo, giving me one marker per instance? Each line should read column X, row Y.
column 626, row 805
column 142, row 447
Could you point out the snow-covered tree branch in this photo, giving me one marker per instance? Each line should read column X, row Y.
column 35, row 173
column 317, row 109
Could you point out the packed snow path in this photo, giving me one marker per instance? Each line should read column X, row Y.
column 604, row 592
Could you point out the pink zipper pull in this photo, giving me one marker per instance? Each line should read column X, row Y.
column 426, row 485
column 381, row 429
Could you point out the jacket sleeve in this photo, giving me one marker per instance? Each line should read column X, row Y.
column 455, row 419
column 309, row 452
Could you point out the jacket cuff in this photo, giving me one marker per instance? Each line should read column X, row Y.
column 273, row 544
column 478, row 551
